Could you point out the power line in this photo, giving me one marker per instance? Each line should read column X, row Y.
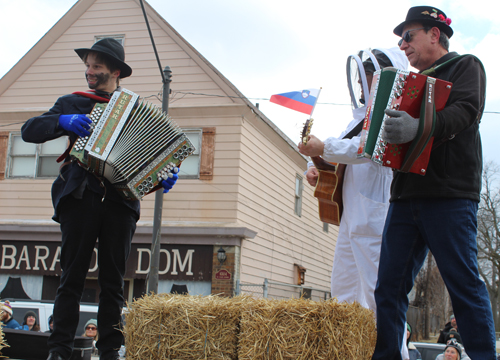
column 184, row 93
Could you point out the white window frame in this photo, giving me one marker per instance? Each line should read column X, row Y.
column 299, row 186
column 197, row 151
column 38, row 155
column 118, row 37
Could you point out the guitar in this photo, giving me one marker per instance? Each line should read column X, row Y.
column 328, row 189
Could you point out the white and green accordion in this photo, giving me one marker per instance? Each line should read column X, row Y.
column 133, row 144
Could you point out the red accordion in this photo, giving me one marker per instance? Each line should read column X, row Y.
column 421, row 97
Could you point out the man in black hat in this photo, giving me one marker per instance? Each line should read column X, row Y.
column 88, row 208
column 437, row 211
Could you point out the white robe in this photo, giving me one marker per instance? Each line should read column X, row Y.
column 365, row 195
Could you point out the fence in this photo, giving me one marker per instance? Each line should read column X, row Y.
column 277, row 290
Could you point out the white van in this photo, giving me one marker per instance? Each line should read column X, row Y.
column 43, row 309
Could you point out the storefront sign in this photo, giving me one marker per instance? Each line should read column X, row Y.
column 177, row 262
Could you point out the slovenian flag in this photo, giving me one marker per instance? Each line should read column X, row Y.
column 303, row 101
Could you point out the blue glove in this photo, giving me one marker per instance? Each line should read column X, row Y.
column 77, row 123
column 169, row 183
column 400, row 127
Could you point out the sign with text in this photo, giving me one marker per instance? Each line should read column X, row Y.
column 177, row 262
column 223, row 275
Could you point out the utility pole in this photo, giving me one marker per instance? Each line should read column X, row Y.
column 152, row 286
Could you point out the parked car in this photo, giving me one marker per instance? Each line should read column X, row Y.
column 429, row 351
column 43, row 309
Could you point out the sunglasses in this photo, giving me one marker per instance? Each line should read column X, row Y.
column 91, row 328
column 407, row 37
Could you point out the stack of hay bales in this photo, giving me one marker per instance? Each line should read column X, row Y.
column 189, row 327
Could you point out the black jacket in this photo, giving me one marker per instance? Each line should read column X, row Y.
column 45, row 127
column 455, row 166
column 442, row 334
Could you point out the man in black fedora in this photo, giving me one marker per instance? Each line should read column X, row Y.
column 88, row 208
column 438, row 211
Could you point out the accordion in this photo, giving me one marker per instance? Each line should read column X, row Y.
column 133, row 144
column 421, row 97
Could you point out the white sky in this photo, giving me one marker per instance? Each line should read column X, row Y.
column 267, row 47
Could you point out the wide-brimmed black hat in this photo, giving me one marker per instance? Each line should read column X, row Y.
column 113, row 50
column 427, row 15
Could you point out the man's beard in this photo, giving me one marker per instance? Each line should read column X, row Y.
column 101, row 79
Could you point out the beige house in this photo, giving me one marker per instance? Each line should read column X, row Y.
column 243, row 190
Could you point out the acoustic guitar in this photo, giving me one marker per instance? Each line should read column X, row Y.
column 328, row 189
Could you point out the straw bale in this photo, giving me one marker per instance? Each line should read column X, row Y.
column 182, row 327
column 305, row 329
column 3, row 343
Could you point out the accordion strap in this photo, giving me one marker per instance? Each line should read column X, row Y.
column 91, row 94
column 433, row 72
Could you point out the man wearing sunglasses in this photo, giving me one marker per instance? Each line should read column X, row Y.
column 438, row 211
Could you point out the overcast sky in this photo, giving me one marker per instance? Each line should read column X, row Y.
column 266, row 47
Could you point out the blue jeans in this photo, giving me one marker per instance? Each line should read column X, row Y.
column 448, row 228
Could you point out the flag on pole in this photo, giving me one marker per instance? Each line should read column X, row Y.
column 302, row 101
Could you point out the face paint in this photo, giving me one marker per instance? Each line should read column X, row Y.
column 97, row 80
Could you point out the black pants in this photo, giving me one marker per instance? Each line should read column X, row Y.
column 83, row 221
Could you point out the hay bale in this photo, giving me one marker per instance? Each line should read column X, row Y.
column 182, row 327
column 3, row 343
column 304, row 329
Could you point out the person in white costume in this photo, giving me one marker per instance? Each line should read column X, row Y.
column 366, row 189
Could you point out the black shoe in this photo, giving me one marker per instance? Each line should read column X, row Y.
column 54, row 356
column 110, row 356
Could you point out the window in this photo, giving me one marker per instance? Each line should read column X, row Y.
column 119, row 38
column 34, row 160
column 298, row 195
column 325, row 227
column 190, row 168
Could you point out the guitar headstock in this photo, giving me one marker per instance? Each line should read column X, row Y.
column 306, row 131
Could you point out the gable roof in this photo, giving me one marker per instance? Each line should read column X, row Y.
column 52, row 65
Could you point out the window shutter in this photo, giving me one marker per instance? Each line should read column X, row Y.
column 4, row 144
column 207, row 154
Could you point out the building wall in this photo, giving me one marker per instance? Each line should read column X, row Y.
column 267, row 205
column 254, row 164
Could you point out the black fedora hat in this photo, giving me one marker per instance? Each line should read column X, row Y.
column 427, row 15
column 113, row 50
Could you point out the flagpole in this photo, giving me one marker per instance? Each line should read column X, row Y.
column 314, row 107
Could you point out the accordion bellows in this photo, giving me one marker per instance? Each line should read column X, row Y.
column 135, row 145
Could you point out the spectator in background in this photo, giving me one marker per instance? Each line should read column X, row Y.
column 453, row 351
column 412, row 350
column 91, row 332
column 51, row 324
column 453, row 334
column 30, row 322
column 452, row 324
column 6, row 316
